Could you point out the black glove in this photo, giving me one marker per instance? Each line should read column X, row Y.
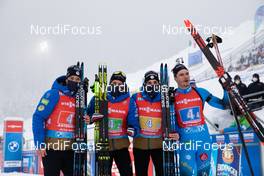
column 92, row 88
column 85, row 84
column 171, row 94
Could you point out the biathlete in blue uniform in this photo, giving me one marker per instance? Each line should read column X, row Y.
column 148, row 144
column 191, row 127
column 122, row 122
column 54, row 124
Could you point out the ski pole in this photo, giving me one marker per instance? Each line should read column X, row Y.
column 241, row 137
column 213, row 125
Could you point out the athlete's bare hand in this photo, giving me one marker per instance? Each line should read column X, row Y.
column 174, row 136
column 87, row 119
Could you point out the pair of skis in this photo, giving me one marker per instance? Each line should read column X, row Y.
column 102, row 158
column 170, row 166
column 235, row 99
column 80, row 153
column 226, row 81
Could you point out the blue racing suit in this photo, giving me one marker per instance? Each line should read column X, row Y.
column 195, row 143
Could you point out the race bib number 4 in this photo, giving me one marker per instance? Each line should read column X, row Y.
column 150, row 124
column 66, row 118
column 190, row 115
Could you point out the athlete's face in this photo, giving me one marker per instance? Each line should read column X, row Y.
column 74, row 78
column 152, row 82
column 183, row 79
column 117, row 82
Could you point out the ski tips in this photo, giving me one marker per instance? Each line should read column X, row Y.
column 104, row 67
column 163, row 65
column 96, row 76
column 164, row 73
column 188, row 24
column 166, row 69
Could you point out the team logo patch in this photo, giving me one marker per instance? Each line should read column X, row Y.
column 188, row 157
column 203, row 156
column 45, row 101
column 59, row 134
column 41, row 107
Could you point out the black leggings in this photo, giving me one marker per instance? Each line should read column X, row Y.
column 122, row 160
column 142, row 158
column 57, row 161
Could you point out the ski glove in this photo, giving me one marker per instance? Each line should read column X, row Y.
column 131, row 132
column 97, row 117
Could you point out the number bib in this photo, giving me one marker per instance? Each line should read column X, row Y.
column 149, row 117
column 190, row 115
column 149, row 125
column 115, row 126
column 61, row 122
column 188, row 108
column 117, row 118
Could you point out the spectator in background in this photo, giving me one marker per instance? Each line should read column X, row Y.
column 256, row 86
column 262, row 53
column 243, row 90
column 242, row 59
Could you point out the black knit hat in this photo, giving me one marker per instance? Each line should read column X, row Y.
column 73, row 70
column 177, row 68
column 118, row 75
column 151, row 75
column 255, row 75
column 237, row 77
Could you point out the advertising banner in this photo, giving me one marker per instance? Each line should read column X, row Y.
column 12, row 145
